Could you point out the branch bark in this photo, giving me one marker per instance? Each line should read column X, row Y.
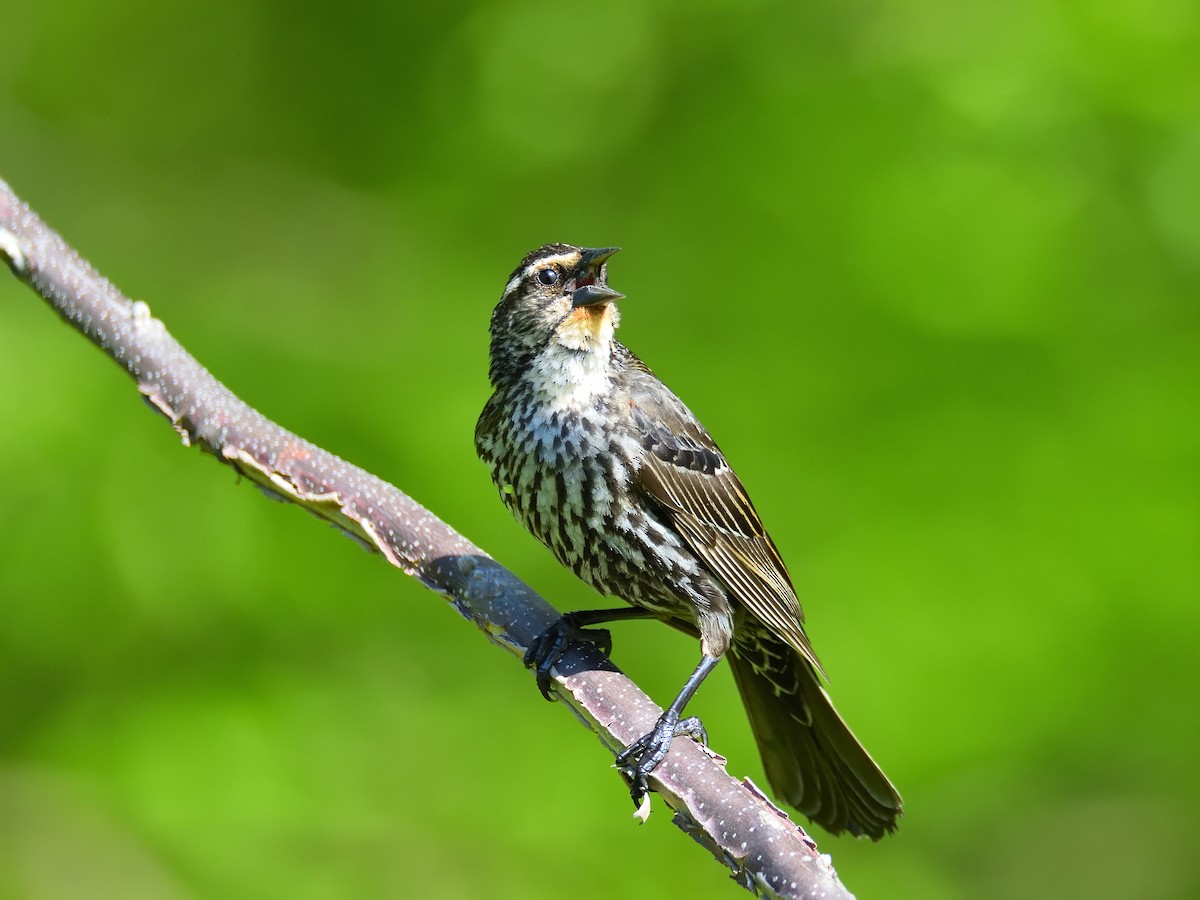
column 767, row 853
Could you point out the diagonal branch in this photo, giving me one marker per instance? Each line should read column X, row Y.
column 767, row 852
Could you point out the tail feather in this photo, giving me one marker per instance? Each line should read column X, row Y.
column 812, row 759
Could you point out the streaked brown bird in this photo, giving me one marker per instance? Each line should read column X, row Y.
column 609, row 469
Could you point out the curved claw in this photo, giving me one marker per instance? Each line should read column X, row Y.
column 640, row 758
column 693, row 728
column 548, row 648
column 544, row 651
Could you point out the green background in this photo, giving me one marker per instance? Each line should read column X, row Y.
column 929, row 272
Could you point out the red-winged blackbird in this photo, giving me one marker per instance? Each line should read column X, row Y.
column 608, row 468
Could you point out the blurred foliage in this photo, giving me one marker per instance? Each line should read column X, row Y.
column 929, row 272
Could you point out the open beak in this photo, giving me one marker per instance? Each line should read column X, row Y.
column 593, row 294
column 591, row 258
column 592, row 289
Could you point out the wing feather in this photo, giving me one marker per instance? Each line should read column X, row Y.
column 686, row 475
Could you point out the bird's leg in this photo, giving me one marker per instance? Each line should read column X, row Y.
column 639, row 759
column 548, row 647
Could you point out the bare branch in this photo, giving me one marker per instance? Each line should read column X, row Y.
column 767, row 852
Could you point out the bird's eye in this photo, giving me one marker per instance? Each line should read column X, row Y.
column 547, row 276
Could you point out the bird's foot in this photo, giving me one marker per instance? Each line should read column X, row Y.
column 640, row 758
column 548, row 648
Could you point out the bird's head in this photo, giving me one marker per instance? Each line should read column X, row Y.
column 558, row 297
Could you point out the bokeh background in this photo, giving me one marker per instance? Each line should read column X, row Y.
column 929, row 272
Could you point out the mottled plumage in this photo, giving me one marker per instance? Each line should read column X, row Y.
column 612, row 472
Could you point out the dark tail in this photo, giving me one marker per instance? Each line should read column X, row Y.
column 812, row 760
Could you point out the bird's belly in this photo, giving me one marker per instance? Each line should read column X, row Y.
column 572, row 489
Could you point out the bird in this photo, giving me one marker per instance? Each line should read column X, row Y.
column 609, row 469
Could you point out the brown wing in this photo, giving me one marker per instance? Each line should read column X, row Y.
column 685, row 473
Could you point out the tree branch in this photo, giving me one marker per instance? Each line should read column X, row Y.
column 767, row 852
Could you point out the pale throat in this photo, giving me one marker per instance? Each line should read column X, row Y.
column 574, row 367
